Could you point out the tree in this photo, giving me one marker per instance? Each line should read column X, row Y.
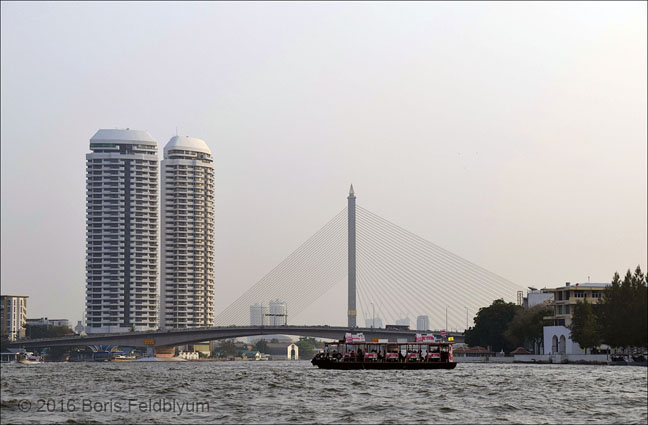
column 639, row 310
column 490, row 325
column 525, row 330
column 623, row 311
column 261, row 346
column 308, row 346
column 46, row 331
column 584, row 327
column 226, row 348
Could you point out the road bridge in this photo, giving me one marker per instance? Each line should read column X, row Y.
column 190, row 336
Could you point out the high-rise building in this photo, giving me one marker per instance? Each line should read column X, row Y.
column 121, row 232
column 422, row 323
column 375, row 322
column 258, row 315
column 278, row 312
column 187, row 281
column 13, row 316
column 403, row 322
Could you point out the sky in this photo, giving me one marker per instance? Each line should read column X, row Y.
column 512, row 134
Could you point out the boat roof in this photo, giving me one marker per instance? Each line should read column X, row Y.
column 392, row 343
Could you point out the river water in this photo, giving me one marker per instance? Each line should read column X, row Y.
column 284, row 392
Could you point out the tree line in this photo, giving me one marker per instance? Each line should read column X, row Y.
column 619, row 319
column 506, row 326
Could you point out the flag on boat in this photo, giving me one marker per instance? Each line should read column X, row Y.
column 443, row 333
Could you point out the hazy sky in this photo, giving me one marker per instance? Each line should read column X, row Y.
column 512, row 134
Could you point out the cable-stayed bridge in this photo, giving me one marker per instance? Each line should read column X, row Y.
column 391, row 273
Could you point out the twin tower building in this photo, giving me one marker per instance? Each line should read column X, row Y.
column 129, row 231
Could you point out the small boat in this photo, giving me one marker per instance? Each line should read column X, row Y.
column 354, row 354
column 617, row 360
column 29, row 358
column 639, row 360
column 124, row 358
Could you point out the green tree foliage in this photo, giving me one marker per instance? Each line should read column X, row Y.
column 308, row 346
column 525, row 330
column 491, row 324
column 639, row 309
column 584, row 327
column 226, row 348
column 46, row 331
column 261, row 346
column 623, row 312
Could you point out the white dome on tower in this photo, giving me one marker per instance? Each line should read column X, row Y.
column 186, row 143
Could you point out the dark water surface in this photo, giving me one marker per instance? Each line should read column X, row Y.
column 280, row 392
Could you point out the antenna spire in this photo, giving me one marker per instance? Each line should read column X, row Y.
column 351, row 192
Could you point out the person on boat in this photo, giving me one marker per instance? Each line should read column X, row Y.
column 360, row 356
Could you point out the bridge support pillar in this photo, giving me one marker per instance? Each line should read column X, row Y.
column 351, row 314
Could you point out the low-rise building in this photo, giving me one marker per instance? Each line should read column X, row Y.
column 536, row 297
column 557, row 337
column 13, row 316
column 44, row 321
column 566, row 297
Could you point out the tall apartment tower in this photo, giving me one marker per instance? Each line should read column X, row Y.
column 13, row 316
column 121, row 232
column 187, row 283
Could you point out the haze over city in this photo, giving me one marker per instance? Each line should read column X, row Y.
column 513, row 135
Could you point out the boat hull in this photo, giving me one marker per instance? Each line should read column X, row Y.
column 327, row 364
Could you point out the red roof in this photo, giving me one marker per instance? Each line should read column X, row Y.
column 520, row 350
column 472, row 350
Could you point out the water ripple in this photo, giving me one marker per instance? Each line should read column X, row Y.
column 296, row 392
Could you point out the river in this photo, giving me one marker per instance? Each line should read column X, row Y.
column 284, row 391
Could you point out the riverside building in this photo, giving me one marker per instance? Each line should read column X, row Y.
column 557, row 338
column 13, row 316
column 121, row 232
column 187, row 281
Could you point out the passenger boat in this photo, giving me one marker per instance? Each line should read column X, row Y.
column 350, row 354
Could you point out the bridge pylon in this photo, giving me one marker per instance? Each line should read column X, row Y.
column 351, row 212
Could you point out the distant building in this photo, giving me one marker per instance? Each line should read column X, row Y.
column 187, row 242
column 79, row 328
column 422, row 323
column 278, row 313
column 13, row 316
column 557, row 338
column 122, row 213
column 44, row 321
column 403, row 322
column 536, row 297
column 376, row 322
column 258, row 315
